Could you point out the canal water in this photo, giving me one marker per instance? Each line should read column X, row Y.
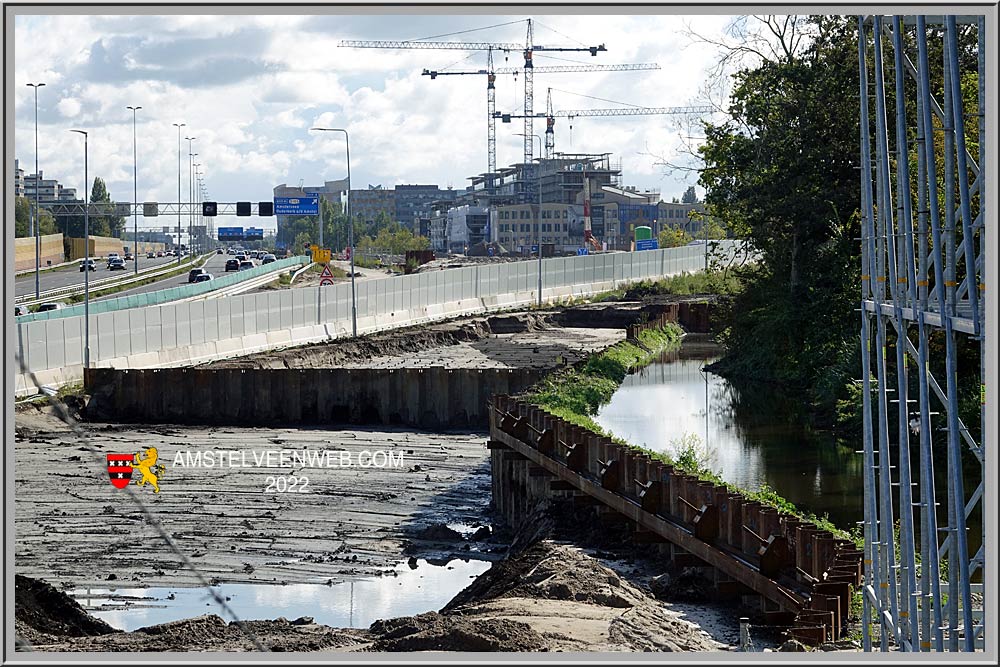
column 749, row 436
column 413, row 587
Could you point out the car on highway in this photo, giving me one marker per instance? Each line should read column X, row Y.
column 241, row 257
column 268, row 258
column 246, row 265
column 159, row 253
column 150, row 255
column 116, row 264
column 194, row 273
column 88, row 265
column 129, row 257
column 232, row 265
column 46, row 307
column 20, row 310
column 218, row 251
column 204, row 278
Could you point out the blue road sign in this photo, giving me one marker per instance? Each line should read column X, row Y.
column 582, row 251
column 308, row 205
column 534, row 248
column 254, row 233
column 647, row 244
column 230, row 233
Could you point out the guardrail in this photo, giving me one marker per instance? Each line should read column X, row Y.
column 100, row 283
column 165, row 295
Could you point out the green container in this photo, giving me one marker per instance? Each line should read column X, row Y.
column 643, row 233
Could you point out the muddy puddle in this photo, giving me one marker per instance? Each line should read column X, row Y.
column 413, row 587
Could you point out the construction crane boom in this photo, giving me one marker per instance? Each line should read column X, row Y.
column 548, row 69
column 633, row 111
column 459, row 46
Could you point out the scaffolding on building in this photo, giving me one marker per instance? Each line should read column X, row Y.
column 923, row 301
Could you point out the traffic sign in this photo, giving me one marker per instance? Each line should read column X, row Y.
column 326, row 278
column 582, row 251
column 296, row 205
column 647, row 244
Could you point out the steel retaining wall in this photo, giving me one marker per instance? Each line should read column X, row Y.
column 420, row 397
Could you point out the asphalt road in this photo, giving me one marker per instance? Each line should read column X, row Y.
column 215, row 265
column 71, row 275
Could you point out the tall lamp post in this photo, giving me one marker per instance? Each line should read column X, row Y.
column 135, row 196
column 538, row 184
column 191, row 156
column 35, row 225
column 178, row 246
column 196, row 180
column 350, row 226
column 86, row 257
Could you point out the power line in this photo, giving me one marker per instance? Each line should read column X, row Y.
column 463, row 32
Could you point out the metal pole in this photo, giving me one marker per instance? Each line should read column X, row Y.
column 932, row 193
column 886, row 524
column 177, row 247
column 350, row 226
column 538, row 184
column 191, row 155
column 86, row 258
column 35, row 223
column 871, row 559
column 135, row 196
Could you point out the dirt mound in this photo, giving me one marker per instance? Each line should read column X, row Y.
column 436, row 632
column 39, row 606
column 550, row 572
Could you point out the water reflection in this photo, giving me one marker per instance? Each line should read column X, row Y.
column 354, row 604
column 749, row 436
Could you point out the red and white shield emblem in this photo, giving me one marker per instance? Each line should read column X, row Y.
column 120, row 469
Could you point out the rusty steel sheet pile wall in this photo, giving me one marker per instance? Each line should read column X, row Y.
column 805, row 573
column 426, row 398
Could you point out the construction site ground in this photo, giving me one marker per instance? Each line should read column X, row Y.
column 543, row 592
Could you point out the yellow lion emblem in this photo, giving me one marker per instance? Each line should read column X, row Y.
column 151, row 471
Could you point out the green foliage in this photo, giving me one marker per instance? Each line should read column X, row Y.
column 781, row 174
column 673, row 237
column 689, row 196
column 394, row 239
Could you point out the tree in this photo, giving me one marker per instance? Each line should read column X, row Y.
column 673, row 237
column 103, row 221
column 781, row 173
column 22, row 218
column 689, row 196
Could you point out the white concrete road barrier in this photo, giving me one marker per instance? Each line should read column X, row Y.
column 175, row 334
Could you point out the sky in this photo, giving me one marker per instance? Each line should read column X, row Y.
column 249, row 87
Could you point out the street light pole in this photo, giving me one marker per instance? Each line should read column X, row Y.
column 135, row 196
column 195, row 180
column 538, row 184
column 178, row 246
column 86, row 257
column 35, row 226
column 191, row 156
column 350, row 226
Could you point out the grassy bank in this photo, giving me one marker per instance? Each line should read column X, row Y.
column 576, row 394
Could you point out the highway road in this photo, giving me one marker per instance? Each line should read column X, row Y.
column 216, row 265
column 71, row 275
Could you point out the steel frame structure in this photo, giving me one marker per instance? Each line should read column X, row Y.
column 923, row 275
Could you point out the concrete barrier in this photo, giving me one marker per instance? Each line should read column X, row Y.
column 175, row 334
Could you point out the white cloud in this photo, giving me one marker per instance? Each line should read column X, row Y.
column 69, row 107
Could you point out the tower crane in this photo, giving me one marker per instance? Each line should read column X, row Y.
column 550, row 121
column 528, row 50
column 491, row 73
column 550, row 116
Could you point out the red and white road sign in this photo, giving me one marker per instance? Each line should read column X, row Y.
column 326, row 278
